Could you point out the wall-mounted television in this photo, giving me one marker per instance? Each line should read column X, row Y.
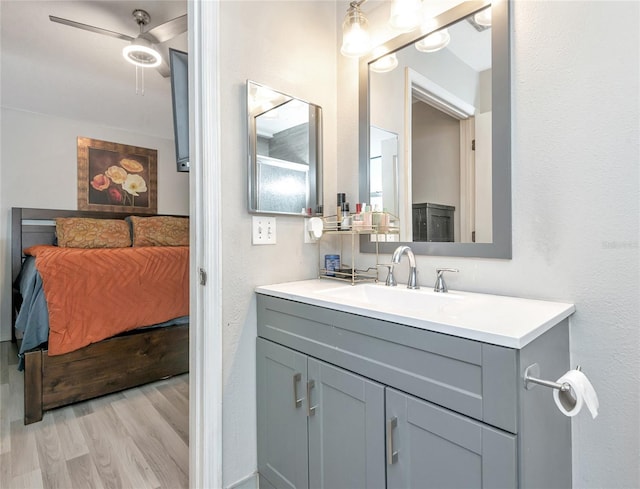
column 180, row 99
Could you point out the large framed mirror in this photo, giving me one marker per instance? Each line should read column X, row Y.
column 446, row 112
column 285, row 155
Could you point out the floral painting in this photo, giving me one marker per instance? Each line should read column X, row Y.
column 116, row 177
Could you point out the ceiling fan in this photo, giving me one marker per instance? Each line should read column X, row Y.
column 143, row 50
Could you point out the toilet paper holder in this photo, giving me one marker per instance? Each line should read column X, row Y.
column 531, row 379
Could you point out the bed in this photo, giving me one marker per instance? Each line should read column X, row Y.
column 129, row 359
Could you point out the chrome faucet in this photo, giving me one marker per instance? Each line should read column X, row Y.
column 412, row 283
column 440, row 285
column 391, row 280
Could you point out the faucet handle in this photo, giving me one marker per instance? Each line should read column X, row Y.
column 391, row 280
column 440, row 285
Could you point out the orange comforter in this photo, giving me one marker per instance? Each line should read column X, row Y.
column 93, row 294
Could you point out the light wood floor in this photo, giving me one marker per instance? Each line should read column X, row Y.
column 135, row 439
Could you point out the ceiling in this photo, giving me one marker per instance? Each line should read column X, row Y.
column 27, row 31
column 50, row 68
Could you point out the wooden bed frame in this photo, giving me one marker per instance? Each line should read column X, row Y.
column 124, row 361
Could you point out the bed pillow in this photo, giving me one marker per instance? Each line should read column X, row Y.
column 79, row 232
column 159, row 231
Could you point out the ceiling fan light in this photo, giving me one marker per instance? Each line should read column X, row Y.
column 140, row 53
column 434, row 42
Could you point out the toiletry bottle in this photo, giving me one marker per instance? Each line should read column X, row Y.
column 331, row 264
column 376, row 217
column 340, row 201
column 367, row 216
column 357, row 219
column 384, row 221
column 346, row 217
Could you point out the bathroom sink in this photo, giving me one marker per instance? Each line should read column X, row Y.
column 399, row 298
column 501, row 320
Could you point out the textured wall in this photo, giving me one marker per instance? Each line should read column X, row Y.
column 576, row 189
column 576, row 207
column 289, row 46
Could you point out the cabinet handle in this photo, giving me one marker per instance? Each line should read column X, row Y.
column 392, row 455
column 310, row 410
column 297, row 377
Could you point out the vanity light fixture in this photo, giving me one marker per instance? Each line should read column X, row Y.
column 385, row 64
column 434, row 42
column 405, row 15
column 355, row 33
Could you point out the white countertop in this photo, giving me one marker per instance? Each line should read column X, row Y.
column 506, row 321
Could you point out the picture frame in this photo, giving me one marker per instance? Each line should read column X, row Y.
column 114, row 177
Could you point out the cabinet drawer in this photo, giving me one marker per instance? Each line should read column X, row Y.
column 472, row 378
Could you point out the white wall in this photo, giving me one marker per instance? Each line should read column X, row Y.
column 576, row 188
column 576, row 207
column 290, row 47
column 435, row 157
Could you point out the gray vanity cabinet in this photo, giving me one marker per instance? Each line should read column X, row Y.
column 348, row 401
column 282, row 419
column 318, row 425
column 434, row 448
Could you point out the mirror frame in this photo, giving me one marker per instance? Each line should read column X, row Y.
column 501, row 134
column 315, row 201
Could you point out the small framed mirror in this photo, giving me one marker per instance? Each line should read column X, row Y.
column 285, row 156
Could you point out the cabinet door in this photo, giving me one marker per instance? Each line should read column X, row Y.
column 282, row 419
column 346, row 429
column 437, row 448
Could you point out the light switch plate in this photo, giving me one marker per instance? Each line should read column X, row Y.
column 263, row 230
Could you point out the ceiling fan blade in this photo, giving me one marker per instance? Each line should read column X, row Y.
column 90, row 28
column 168, row 30
column 164, row 69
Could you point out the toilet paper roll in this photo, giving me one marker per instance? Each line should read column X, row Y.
column 581, row 393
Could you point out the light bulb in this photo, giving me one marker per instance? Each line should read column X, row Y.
column 434, row 42
column 405, row 15
column 140, row 53
column 385, row 64
column 483, row 17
